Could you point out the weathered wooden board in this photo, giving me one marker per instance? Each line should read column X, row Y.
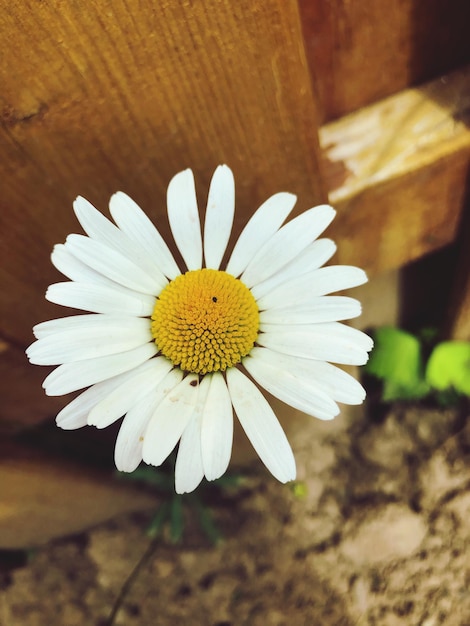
column 23, row 402
column 105, row 95
column 362, row 52
column 88, row 92
column 397, row 173
column 42, row 498
column 101, row 95
column 458, row 310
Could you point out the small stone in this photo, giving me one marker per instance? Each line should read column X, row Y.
column 438, row 477
column 386, row 445
column 460, row 506
column 392, row 533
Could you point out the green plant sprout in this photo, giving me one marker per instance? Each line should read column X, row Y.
column 398, row 361
column 299, row 489
column 170, row 513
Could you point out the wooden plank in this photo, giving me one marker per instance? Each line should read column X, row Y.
column 459, row 327
column 362, row 52
column 23, row 402
column 458, row 315
column 122, row 95
column 101, row 96
column 397, row 173
column 44, row 498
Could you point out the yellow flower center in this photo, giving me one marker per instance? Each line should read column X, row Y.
column 205, row 321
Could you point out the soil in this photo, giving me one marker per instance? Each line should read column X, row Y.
column 375, row 532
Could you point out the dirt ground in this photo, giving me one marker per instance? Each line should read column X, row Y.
column 377, row 532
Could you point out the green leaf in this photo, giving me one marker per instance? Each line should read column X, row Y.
column 396, row 359
column 149, row 476
column 393, row 391
column 205, row 520
column 227, row 481
column 160, row 518
column 299, row 489
column 176, row 519
column 449, row 366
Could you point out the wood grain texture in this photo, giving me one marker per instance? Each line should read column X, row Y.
column 459, row 318
column 45, row 498
column 105, row 95
column 458, row 314
column 23, row 402
column 397, row 173
column 361, row 52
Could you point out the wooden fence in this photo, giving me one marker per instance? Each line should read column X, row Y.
column 100, row 96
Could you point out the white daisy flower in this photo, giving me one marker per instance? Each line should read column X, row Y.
column 177, row 351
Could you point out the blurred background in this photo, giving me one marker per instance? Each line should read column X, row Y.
column 366, row 104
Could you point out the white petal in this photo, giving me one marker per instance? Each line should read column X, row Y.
column 169, row 420
column 259, row 229
column 325, row 342
column 313, row 284
column 134, row 222
column 217, row 428
column 45, row 329
column 141, row 380
column 157, row 394
column 98, row 227
column 341, row 386
column 114, row 265
column 74, row 322
column 189, row 470
column 99, row 337
column 75, row 414
column 99, row 299
column 183, row 216
column 72, row 420
column 219, row 216
column 316, row 310
column 331, row 329
column 72, row 376
column 261, row 426
column 338, row 384
column 73, row 268
column 287, row 243
column 130, row 439
column 313, row 257
column 290, row 386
